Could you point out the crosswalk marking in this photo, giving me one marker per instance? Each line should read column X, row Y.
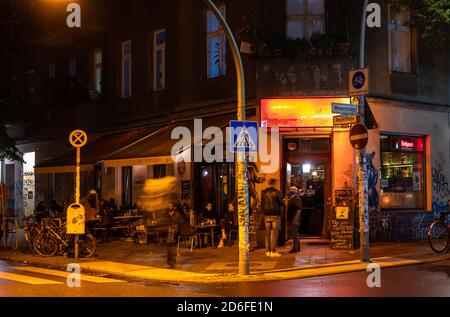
column 83, row 277
column 26, row 279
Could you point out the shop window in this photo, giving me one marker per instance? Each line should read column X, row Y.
column 159, row 171
column 402, row 172
column 304, row 17
column 127, row 183
column 216, row 46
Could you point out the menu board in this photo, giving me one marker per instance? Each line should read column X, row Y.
column 342, row 222
column 185, row 189
column 342, row 234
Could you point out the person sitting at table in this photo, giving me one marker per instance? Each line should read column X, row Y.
column 209, row 215
column 55, row 209
column 40, row 212
column 107, row 219
column 113, row 206
column 91, row 205
column 229, row 222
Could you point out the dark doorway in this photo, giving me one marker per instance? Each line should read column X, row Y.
column 214, row 183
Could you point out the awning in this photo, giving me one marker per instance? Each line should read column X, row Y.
column 93, row 152
column 156, row 150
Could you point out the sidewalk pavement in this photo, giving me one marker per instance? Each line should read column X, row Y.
column 207, row 265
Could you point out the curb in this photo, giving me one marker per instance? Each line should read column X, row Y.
column 134, row 272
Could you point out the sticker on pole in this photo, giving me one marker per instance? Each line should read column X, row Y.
column 78, row 138
column 75, row 219
column 244, row 136
column 359, row 136
column 358, row 82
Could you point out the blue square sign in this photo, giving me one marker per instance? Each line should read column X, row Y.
column 244, row 136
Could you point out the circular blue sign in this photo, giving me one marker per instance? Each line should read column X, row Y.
column 358, row 80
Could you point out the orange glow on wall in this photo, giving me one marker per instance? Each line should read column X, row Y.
column 303, row 112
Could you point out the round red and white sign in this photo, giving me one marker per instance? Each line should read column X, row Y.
column 359, row 136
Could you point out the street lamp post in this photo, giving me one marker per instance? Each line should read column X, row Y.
column 241, row 163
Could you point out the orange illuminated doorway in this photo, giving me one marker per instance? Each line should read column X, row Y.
column 307, row 164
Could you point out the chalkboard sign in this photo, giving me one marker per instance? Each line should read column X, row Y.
column 185, row 189
column 342, row 235
column 342, row 229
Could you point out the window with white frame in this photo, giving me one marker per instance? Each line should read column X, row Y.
column 126, row 69
column 304, row 17
column 98, row 60
column 216, row 44
column 399, row 42
column 159, row 60
column 72, row 71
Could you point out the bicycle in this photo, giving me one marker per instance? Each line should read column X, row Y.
column 31, row 232
column 53, row 240
column 439, row 233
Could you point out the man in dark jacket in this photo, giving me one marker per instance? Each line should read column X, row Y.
column 294, row 218
column 271, row 204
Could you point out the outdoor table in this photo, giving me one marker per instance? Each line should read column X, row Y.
column 154, row 226
column 126, row 221
column 211, row 227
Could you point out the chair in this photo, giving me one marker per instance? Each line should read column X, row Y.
column 153, row 235
column 185, row 233
column 201, row 235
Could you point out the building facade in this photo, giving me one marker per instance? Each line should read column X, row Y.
column 136, row 70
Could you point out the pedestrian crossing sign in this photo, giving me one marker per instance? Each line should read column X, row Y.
column 244, row 136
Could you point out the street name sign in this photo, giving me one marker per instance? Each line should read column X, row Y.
column 244, row 136
column 344, row 109
column 341, row 120
column 358, row 82
column 359, row 136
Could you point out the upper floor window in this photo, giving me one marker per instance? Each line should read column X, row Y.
column 126, row 69
column 98, row 60
column 51, row 71
column 159, row 60
column 304, row 17
column 216, row 44
column 72, row 67
column 399, row 42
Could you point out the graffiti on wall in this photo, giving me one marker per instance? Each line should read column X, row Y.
column 441, row 190
column 372, row 178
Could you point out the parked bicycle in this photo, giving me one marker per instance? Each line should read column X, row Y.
column 31, row 232
column 439, row 233
column 54, row 240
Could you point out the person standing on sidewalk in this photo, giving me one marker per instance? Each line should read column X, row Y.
column 175, row 218
column 271, row 204
column 294, row 217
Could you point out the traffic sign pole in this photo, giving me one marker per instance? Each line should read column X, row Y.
column 77, row 139
column 77, row 194
column 362, row 174
column 241, row 164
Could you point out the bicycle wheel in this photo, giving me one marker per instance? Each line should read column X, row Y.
column 45, row 245
column 438, row 236
column 86, row 246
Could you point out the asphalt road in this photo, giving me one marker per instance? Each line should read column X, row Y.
column 419, row 280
